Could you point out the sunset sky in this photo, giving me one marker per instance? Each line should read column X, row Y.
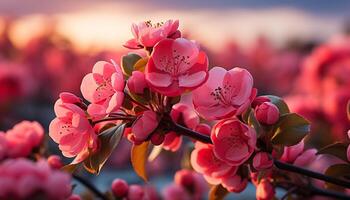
column 106, row 24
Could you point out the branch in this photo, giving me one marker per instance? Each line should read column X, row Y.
column 91, row 187
column 312, row 174
column 281, row 165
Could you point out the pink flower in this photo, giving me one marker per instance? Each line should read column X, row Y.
column 267, row 113
column 264, row 190
column 172, row 141
column 23, row 137
column 234, row 183
column 23, row 179
column 291, row 153
column 137, row 82
column 104, row 88
column 74, row 197
column 3, row 145
column 185, row 115
column 72, row 131
column 55, row 162
column 262, row 161
column 136, row 192
column 120, row 188
column 147, row 34
column 192, row 182
column 204, row 161
column 145, row 125
column 234, row 142
column 175, row 66
column 204, row 129
column 306, row 158
column 224, row 94
column 175, row 192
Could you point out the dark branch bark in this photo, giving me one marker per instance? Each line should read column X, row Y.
column 91, row 187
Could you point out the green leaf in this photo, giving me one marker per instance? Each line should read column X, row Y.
column 109, row 140
column 290, row 129
column 139, row 158
column 128, row 62
column 70, row 168
column 217, row 192
column 338, row 171
column 279, row 102
column 155, row 153
column 252, row 121
column 337, row 149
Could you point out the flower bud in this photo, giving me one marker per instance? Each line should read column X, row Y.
column 136, row 192
column 267, row 113
column 145, row 125
column 262, row 161
column 265, row 191
column 55, row 162
column 259, row 100
column 185, row 178
column 137, row 82
column 120, row 188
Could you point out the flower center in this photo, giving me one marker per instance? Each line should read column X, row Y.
column 179, row 64
column 153, row 25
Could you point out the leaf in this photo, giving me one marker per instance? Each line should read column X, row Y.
column 128, row 62
column 338, row 171
column 109, row 140
column 217, row 192
column 139, row 158
column 279, row 102
column 337, row 149
column 252, row 121
column 70, row 168
column 141, row 64
column 290, row 129
column 155, row 153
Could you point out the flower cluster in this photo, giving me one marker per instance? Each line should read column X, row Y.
column 21, row 140
column 23, row 179
column 155, row 98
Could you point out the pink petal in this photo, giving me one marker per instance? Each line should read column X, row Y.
column 158, row 79
column 192, row 80
column 88, row 87
column 115, row 102
column 185, row 49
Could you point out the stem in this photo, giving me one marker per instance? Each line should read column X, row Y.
column 91, row 187
column 312, row 174
column 278, row 164
column 136, row 102
column 329, row 193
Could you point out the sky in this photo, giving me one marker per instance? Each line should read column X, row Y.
column 106, row 23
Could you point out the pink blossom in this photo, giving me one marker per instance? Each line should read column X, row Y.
column 291, row 153
column 147, row 34
column 234, row 183
column 185, row 115
column 176, row 66
column 172, row 141
column 175, row 192
column 23, row 137
column 136, row 192
column 104, row 88
column 267, row 113
column 192, row 182
column 224, row 94
column 74, row 197
column 3, row 145
column 145, row 125
column 234, row 142
column 23, row 179
column 262, row 161
column 306, row 158
column 204, row 129
column 137, row 82
column 55, row 162
column 120, row 188
column 72, row 131
column 265, row 190
column 204, row 161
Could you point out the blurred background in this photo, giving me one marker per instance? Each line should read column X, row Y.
column 299, row 50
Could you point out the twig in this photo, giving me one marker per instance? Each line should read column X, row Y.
column 91, row 187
